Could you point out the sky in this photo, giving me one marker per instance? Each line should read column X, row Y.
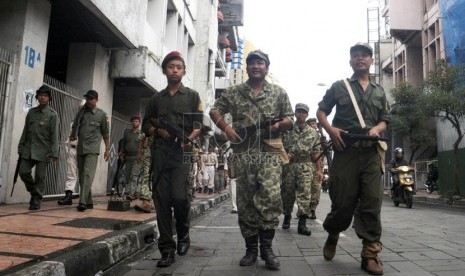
column 307, row 41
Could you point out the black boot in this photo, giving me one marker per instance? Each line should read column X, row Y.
column 266, row 252
column 205, row 190
column 302, row 228
column 67, row 200
column 166, row 259
column 287, row 222
column 251, row 253
column 183, row 245
column 210, row 191
column 313, row 214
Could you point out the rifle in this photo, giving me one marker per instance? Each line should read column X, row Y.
column 351, row 138
column 244, row 132
column 15, row 178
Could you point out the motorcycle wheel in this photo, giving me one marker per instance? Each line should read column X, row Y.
column 408, row 198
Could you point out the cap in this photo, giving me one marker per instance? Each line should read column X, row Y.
column 362, row 46
column 258, row 54
column 311, row 120
column 302, row 106
column 91, row 94
column 135, row 117
column 169, row 57
column 44, row 89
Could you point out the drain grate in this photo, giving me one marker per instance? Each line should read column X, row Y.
column 99, row 223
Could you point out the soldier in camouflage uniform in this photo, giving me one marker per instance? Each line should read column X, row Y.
column 300, row 143
column 145, row 158
column 317, row 179
column 258, row 172
column 357, row 167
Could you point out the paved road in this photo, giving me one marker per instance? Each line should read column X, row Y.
column 425, row 240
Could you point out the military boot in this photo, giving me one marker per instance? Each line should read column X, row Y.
column 67, row 200
column 287, row 222
column 266, row 252
column 371, row 262
column 302, row 228
column 329, row 250
column 312, row 214
column 210, row 191
column 250, row 258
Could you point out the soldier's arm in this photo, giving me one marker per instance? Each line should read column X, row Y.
column 150, row 112
column 23, row 138
column 105, row 129
column 54, row 133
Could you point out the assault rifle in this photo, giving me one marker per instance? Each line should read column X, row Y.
column 175, row 130
column 351, row 138
column 15, row 178
column 245, row 132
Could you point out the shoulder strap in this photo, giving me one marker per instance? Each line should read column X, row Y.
column 354, row 103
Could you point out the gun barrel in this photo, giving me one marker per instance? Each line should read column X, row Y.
column 363, row 137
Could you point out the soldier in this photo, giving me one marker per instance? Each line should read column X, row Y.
column 38, row 145
column 300, row 143
column 258, row 189
column 129, row 151
column 220, row 174
column 89, row 127
column 209, row 164
column 316, row 183
column 145, row 157
column 193, row 175
column 180, row 106
column 356, row 169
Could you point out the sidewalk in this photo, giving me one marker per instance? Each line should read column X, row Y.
column 62, row 239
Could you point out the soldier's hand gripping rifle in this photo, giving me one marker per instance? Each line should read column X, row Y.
column 351, row 138
column 176, row 131
column 15, row 178
column 245, row 132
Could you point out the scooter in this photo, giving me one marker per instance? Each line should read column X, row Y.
column 432, row 179
column 325, row 182
column 406, row 184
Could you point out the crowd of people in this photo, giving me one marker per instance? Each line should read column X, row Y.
column 270, row 166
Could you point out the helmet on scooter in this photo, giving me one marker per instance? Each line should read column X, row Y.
column 399, row 150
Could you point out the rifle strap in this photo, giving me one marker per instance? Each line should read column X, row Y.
column 354, row 103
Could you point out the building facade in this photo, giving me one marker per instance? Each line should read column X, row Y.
column 112, row 46
column 424, row 31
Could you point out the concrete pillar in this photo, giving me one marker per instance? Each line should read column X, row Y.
column 88, row 68
column 24, row 26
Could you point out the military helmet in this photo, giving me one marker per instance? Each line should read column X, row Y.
column 399, row 150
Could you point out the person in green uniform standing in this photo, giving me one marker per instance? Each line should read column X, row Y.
column 38, row 145
column 258, row 170
column 300, row 143
column 357, row 167
column 128, row 153
column 90, row 126
column 180, row 106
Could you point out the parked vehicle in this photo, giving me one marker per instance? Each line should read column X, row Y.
column 325, row 182
column 406, row 185
column 432, row 178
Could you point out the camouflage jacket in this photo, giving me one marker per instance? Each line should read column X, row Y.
column 302, row 143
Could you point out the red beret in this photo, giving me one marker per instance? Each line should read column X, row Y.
column 135, row 117
column 169, row 57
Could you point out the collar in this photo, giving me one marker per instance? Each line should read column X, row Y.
column 296, row 127
column 94, row 109
column 266, row 86
column 181, row 89
column 43, row 110
column 353, row 79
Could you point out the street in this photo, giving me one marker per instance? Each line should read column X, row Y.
column 425, row 240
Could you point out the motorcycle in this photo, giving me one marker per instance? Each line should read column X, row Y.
column 405, row 189
column 432, row 179
column 325, row 182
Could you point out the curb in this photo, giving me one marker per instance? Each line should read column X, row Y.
column 103, row 254
column 435, row 200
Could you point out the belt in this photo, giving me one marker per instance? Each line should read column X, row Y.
column 363, row 144
column 209, row 164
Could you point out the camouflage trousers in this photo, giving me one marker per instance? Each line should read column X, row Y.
column 145, row 192
column 296, row 185
column 316, row 192
column 258, row 192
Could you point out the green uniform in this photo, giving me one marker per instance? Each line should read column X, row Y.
column 169, row 167
column 145, row 191
column 258, row 172
column 298, row 174
column 38, row 143
column 92, row 127
column 130, row 149
column 356, row 171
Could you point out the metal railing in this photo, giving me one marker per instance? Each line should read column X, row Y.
column 65, row 101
